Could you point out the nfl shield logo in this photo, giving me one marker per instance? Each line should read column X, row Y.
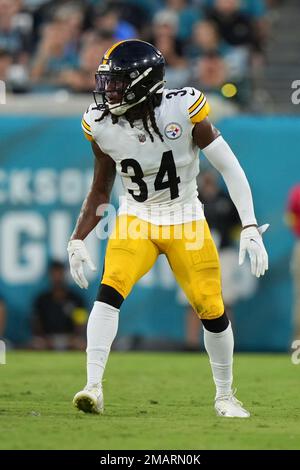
column 142, row 138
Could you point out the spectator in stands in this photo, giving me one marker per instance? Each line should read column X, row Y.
column 243, row 23
column 15, row 45
column 293, row 219
column 220, row 211
column 45, row 13
column 6, row 61
column 59, row 315
column 206, row 40
column 186, row 14
column 138, row 13
column 235, row 27
column 72, row 16
column 2, row 317
column 255, row 8
column 210, row 72
column 151, row 6
column 109, row 19
column 82, row 79
column 55, row 54
column 14, row 31
column 213, row 74
column 165, row 26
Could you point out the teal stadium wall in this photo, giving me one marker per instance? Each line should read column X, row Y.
column 45, row 168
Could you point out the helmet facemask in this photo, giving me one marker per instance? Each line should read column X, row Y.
column 120, row 90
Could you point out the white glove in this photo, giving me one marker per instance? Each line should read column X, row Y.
column 78, row 255
column 252, row 242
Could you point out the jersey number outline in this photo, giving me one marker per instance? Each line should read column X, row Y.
column 176, row 93
column 167, row 167
column 180, row 93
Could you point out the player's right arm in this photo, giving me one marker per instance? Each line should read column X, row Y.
column 99, row 195
column 103, row 180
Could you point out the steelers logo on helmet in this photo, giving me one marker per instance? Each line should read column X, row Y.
column 173, row 130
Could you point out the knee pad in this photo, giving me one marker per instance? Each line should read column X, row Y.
column 208, row 302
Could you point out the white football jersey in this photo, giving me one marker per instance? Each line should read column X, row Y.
column 159, row 178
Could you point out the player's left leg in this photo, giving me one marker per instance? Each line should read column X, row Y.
column 197, row 270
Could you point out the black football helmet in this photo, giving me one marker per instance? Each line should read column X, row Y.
column 130, row 72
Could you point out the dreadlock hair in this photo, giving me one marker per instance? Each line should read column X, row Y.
column 145, row 110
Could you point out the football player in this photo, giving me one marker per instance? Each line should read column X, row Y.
column 151, row 137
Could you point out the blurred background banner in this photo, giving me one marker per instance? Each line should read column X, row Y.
column 45, row 172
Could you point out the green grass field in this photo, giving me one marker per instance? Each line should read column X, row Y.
column 153, row 401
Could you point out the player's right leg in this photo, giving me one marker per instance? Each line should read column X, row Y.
column 128, row 257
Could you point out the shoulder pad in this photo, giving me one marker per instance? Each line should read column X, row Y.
column 86, row 123
column 196, row 105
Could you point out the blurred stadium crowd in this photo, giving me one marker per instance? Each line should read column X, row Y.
column 215, row 45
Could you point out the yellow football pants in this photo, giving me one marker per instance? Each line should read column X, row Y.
column 134, row 246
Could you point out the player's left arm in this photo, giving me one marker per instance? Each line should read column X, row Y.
column 220, row 155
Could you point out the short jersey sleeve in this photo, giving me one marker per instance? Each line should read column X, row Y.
column 86, row 124
column 197, row 105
